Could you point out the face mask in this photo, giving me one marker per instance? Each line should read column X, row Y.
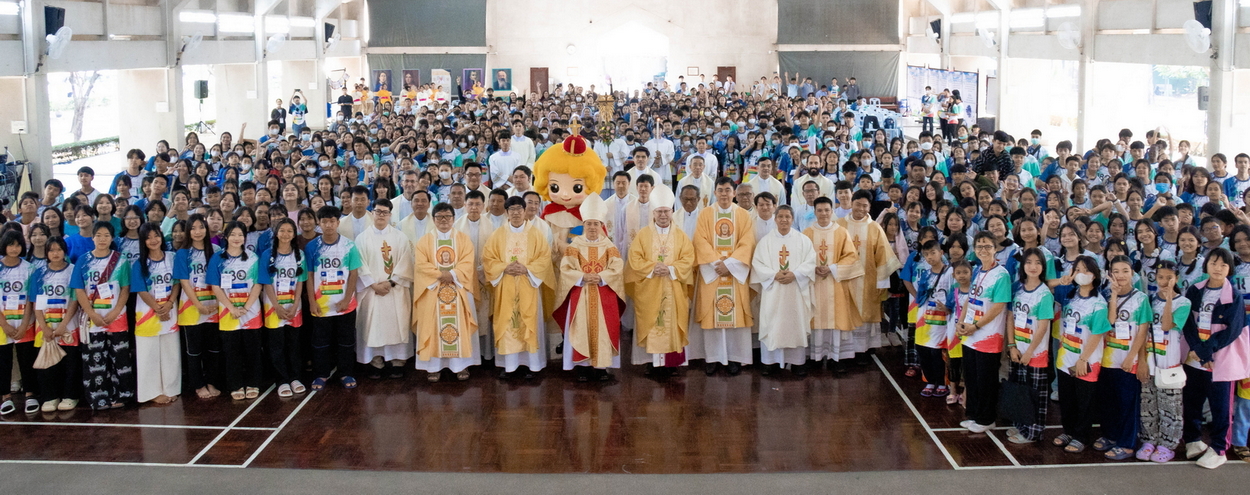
column 776, row 142
column 724, row 114
column 867, row 143
column 926, row 146
column 928, row 163
column 316, row 144
column 724, row 132
column 629, row 137
column 386, row 150
column 544, row 135
column 438, row 117
column 273, row 132
column 313, row 170
column 444, row 175
column 464, row 145
column 1035, row 141
column 470, row 137
column 1083, row 278
column 1162, row 188
column 245, row 167
column 752, row 121
column 373, row 130
column 1119, row 148
column 338, row 118
column 386, row 114
column 709, row 130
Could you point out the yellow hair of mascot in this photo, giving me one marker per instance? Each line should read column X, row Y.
column 565, row 174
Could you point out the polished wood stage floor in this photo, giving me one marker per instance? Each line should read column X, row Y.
column 871, row 419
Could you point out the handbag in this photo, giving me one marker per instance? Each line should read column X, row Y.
column 1167, row 378
column 49, row 355
column 1015, row 402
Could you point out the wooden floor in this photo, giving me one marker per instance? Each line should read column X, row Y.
column 872, row 419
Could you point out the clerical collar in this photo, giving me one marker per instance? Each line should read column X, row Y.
column 378, row 231
column 826, row 227
column 662, row 230
column 517, row 230
column 852, row 218
column 787, row 234
column 724, row 210
column 442, row 236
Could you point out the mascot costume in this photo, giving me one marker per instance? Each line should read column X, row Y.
column 564, row 175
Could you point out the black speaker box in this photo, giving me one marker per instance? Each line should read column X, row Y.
column 54, row 18
column 201, row 89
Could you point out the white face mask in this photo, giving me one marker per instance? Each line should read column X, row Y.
column 444, row 175
column 928, row 163
column 1083, row 278
column 926, row 145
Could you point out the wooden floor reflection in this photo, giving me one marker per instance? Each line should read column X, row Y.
column 685, row 424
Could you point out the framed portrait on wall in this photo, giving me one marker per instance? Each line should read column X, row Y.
column 442, row 83
column 473, row 78
column 412, row 80
column 501, row 79
column 381, row 77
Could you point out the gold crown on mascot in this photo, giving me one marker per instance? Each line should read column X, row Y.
column 565, row 175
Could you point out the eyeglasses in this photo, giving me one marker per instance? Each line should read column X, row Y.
column 444, row 217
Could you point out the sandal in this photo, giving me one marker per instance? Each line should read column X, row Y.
column 1062, row 440
column 1119, row 454
column 911, row 371
column 252, row 392
column 32, row 405
column 284, row 390
column 927, row 391
column 298, row 387
column 1162, row 455
column 319, row 384
column 1147, row 449
column 239, row 394
column 1103, row 444
column 1074, row 447
column 7, row 407
column 941, row 391
column 348, row 382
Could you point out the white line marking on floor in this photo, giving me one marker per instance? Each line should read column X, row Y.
column 275, row 433
column 1003, row 448
column 228, row 428
column 925, row 425
column 113, row 463
column 130, row 425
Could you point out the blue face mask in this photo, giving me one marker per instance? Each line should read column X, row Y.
column 1163, row 187
column 724, row 133
column 386, row 150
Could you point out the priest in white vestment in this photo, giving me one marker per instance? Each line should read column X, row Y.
column 419, row 223
column 479, row 228
column 700, row 179
column 782, row 270
column 382, row 327
column 766, row 182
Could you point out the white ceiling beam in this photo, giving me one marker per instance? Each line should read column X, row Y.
column 1001, row 4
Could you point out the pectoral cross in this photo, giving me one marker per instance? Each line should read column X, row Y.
column 783, row 257
column 823, row 257
column 575, row 126
column 386, row 258
column 856, row 242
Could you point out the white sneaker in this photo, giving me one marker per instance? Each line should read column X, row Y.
column 979, row 428
column 967, row 423
column 1195, row 449
column 1211, row 460
column 1013, row 431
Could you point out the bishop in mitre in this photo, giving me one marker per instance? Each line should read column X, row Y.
column 445, row 313
column 589, row 300
column 661, row 269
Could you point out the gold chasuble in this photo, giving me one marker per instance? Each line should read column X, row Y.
column 515, row 319
column 661, row 303
column 444, row 313
column 591, row 314
column 878, row 261
column 832, row 296
column 724, row 301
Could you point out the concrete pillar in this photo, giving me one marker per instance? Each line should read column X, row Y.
column 945, row 36
column 1220, row 136
column 153, row 102
column 239, row 102
column 37, row 143
column 1004, row 34
column 1085, row 136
